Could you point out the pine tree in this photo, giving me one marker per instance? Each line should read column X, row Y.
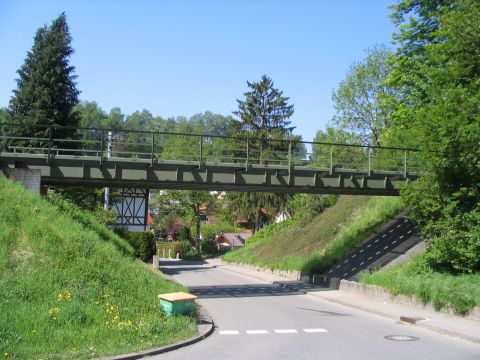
column 264, row 120
column 46, row 91
column 264, row 115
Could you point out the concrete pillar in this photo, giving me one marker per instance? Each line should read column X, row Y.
column 30, row 179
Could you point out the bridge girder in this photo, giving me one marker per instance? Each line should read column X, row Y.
column 66, row 170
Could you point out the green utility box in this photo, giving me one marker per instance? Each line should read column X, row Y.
column 179, row 303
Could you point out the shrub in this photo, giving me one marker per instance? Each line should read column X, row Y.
column 208, row 247
column 209, row 231
column 142, row 241
column 185, row 234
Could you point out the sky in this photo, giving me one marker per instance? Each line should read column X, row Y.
column 180, row 58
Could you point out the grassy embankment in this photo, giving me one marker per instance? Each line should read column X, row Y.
column 314, row 246
column 459, row 293
column 70, row 288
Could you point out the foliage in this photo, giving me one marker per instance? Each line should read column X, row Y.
column 436, row 77
column 185, row 234
column 192, row 204
column 264, row 116
column 306, row 206
column 416, row 278
column 208, row 247
column 142, row 242
column 359, row 97
column 344, row 156
column 89, row 199
column 209, row 231
column 67, row 292
column 248, row 206
column 46, row 91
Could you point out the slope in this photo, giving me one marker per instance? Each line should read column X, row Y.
column 314, row 246
column 70, row 289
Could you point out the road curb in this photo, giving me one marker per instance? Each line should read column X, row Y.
column 206, row 327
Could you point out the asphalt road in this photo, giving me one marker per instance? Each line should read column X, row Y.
column 257, row 320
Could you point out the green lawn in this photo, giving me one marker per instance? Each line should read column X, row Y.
column 459, row 293
column 314, row 246
column 70, row 289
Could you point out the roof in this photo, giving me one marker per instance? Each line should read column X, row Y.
column 234, row 239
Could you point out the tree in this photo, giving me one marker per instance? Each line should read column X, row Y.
column 192, row 204
column 341, row 155
column 437, row 79
column 91, row 116
column 264, row 117
column 264, row 120
column 359, row 99
column 46, row 91
column 255, row 208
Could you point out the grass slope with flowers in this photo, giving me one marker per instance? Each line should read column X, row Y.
column 71, row 289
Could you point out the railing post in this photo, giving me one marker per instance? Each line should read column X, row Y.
column 201, row 150
column 331, row 159
column 102, row 145
column 49, row 142
column 152, row 155
column 405, row 163
column 289, row 155
column 369, row 161
column 248, row 153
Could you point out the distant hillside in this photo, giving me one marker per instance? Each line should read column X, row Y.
column 314, row 246
column 70, row 288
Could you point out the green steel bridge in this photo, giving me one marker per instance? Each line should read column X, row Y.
column 142, row 159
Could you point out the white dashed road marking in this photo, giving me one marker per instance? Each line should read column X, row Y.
column 264, row 332
column 257, row 332
column 315, row 330
column 229, row 332
column 286, row 331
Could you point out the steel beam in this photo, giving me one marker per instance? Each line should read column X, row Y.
column 189, row 175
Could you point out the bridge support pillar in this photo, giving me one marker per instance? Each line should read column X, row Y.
column 29, row 178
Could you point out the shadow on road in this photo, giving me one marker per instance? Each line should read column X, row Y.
column 253, row 290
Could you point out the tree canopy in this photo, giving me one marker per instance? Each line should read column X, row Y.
column 46, row 91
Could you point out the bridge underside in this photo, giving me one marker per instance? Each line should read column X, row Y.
column 66, row 170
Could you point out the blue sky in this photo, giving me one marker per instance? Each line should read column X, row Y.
column 184, row 57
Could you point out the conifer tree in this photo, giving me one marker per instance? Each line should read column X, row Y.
column 46, row 91
column 264, row 118
column 264, row 115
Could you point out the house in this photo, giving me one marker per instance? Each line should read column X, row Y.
column 232, row 240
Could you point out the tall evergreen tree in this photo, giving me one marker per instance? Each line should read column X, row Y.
column 264, row 116
column 46, row 91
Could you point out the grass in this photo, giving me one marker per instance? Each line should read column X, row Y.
column 314, row 246
column 459, row 293
column 70, row 288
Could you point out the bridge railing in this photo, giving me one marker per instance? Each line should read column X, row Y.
column 51, row 141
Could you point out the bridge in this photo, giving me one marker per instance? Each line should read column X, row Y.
column 65, row 156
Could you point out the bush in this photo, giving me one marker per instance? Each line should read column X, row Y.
column 208, row 247
column 142, row 241
column 449, row 222
column 185, row 234
column 209, row 231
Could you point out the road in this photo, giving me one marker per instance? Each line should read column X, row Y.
column 258, row 320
